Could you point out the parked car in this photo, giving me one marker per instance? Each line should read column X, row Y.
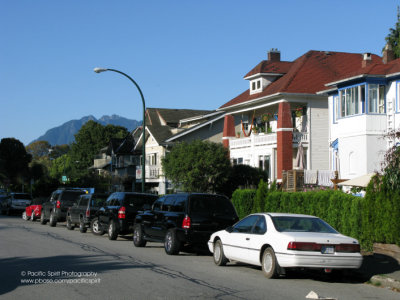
column 55, row 210
column 277, row 241
column 118, row 213
column 179, row 220
column 81, row 213
column 16, row 203
column 33, row 211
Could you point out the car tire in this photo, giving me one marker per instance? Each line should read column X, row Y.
column 52, row 221
column 82, row 227
column 138, row 239
column 24, row 216
column 42, row 219
column 218, row 254
column 171, row 243
column 69, row 223
column 269, row 264
column 112, row 231
column 96, row 227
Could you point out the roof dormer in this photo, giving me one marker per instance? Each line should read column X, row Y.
column 267, row 71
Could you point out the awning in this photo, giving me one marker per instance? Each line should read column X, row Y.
column 361, row 181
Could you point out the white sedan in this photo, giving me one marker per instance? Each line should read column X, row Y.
column 276, row 241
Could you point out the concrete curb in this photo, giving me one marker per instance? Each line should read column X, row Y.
column 385, row 281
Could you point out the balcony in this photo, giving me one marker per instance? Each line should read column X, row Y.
column 264, row 140
column 152, row 172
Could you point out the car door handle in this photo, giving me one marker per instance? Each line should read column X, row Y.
column 247, row 239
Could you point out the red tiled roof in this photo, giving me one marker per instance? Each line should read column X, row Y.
column 266, row 66
column 308, row 74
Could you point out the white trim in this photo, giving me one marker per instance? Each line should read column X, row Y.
column 263, row 74
column 284, row 129
column 194, row 128
column 199, row 117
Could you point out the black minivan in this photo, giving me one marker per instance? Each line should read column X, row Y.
column 183, row 219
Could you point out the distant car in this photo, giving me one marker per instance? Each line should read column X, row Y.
column 33, row 211
column 118, row 213
column 82, row 213
column 16, row 203
column 186, row 219
column 278, row 241
column 55, row 210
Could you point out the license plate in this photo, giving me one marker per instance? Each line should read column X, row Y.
column 327, row 250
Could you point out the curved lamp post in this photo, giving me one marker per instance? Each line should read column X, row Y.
column 99, row 70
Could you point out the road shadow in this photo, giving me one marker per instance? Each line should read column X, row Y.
column 20, row 271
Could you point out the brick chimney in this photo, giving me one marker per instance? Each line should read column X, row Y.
column 388, row 54
column 274, row 55
column 367, row 60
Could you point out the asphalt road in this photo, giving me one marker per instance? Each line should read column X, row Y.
column 42, row 262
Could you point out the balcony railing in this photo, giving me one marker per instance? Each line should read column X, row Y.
column 264, row 140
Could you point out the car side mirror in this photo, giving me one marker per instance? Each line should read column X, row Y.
column 229, row 229
column 146, row 206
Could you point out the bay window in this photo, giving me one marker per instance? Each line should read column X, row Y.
column 352, row 100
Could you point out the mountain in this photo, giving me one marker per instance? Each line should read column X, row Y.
column 65, row 134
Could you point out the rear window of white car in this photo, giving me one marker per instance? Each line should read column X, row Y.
column 301, row 224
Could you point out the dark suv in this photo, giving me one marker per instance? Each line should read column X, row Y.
column 82, row 212
column 183, row 219
column 55, row 210
column 119, row 212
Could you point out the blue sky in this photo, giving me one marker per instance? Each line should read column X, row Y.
column 183, row 54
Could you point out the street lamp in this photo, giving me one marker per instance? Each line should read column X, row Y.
column 99, row 70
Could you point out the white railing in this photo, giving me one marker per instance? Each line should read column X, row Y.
column 264, row 139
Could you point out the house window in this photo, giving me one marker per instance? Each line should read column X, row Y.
column 376, row 98
column 352, row 101
column 253, row 85
column 152, row 159
column 258, row 84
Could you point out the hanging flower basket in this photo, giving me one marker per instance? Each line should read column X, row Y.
column 298, row 112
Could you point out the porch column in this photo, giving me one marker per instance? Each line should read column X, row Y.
column 284, row 139
column 229, row 130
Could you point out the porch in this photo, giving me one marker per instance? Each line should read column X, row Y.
column 262, row 139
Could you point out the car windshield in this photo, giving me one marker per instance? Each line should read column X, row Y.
column 22, row 196
column 301, row 224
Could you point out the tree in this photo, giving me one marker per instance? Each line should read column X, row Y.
column 38, row 149
column 14, row 161
column 88, row 141
column 199, row 166
column 391, row 164
column 393, row 38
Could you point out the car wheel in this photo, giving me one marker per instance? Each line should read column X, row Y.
column 82, row 227
column 52, row 221
column 138, row 239
column 112, row 231
column 69, row 223
column 24, row 216
column 269, row 264
column 218, row 255
column 96, row 227
column 42, row 219
column 171, row 243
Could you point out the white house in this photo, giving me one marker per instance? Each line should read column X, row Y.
column 364, row 106
column 288, row 104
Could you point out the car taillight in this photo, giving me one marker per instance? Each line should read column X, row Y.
column 88, row 213
column 347, row 248
column 186, row 223
column 58, row 204
column 121, row 213
column 302, row 246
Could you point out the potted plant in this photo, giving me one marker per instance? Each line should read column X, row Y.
column 238, row 134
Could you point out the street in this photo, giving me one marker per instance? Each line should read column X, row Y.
column 42, row 262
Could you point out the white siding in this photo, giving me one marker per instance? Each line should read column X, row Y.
column 319, row 138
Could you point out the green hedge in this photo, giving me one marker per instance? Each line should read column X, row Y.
column 375, row 218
